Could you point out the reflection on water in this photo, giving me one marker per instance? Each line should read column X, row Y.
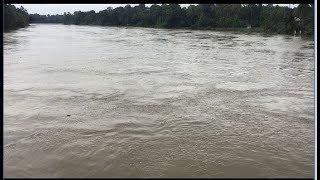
column 85, row 101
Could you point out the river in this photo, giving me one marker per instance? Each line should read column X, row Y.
column 90, row 101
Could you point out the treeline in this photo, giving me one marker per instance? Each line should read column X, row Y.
column 36, row 18
column 14, row 18
column 270, row 19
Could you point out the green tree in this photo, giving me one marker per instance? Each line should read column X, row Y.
column 14, row 18
column 269, row 18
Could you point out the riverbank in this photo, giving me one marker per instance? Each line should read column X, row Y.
column 254, row 30
column 14, row 29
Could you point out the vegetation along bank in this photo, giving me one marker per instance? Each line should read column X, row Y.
column 254, row 17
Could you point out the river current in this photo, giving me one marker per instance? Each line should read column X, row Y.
column 90, row 101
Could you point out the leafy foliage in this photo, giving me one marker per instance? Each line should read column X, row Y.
column 270, row 19
column 36, row 18
column 14, row 18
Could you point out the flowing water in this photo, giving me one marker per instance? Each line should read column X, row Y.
column 86, row 101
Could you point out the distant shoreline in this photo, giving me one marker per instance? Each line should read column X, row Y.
column 250, row 18
column 253, row 30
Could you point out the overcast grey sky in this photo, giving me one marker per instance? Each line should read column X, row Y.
column 51, row 9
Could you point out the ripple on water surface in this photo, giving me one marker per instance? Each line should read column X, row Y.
column 84, row 101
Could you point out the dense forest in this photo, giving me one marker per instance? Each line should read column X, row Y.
column 256, row 17
column 14, row 18
column 36, row 18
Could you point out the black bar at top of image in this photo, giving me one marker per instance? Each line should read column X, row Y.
column 158, row 1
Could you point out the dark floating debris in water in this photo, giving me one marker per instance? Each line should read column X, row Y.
column 68, row 115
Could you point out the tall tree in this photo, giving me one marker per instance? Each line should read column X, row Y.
column 14, row 18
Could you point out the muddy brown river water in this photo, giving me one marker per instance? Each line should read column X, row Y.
column 86, row 101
